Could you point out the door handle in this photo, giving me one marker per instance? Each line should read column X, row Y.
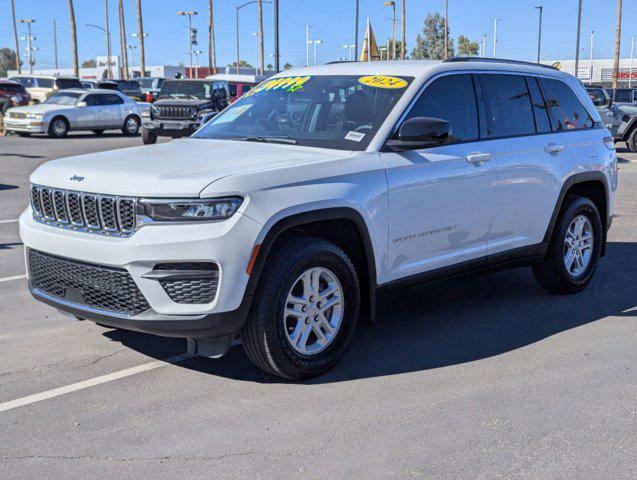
column 478, row 157
column 553, row 148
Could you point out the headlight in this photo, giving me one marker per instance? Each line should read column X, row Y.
column 193, row 112
column 145, row 113
column 34, row 116
column 206, row 209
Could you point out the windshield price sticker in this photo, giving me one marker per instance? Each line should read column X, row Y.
column 288, row 84
column 382, row 81
column 355, row 136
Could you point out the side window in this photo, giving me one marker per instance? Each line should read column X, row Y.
column 451, row 98
column 507, row 105
column 567, row 110
column 233, row 90
column 112, row 99
column 45, row 83
column 92, row 100
column 542, row 122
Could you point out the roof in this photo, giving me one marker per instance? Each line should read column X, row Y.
column 9, row 82
column 94, row 90
column 237, row 77
column 58, row 77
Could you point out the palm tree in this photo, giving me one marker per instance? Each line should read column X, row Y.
column 122, row 40
column 260, row 3
column 618, row 35
column 76, row 66
column 402, row 53
column 15, row 35
column 212, row 55
column 140, row 27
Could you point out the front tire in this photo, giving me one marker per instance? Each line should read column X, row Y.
column 131, row 126
column 305, row 310
column 574, row 249
column 58, row 128
column 631, row 143
column 148, row 137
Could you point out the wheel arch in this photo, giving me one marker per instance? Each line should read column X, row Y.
column 593, row 185
column 345, row 227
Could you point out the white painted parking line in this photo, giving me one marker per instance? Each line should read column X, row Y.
column 9, row 221
column 15, row 277
column 74, row 387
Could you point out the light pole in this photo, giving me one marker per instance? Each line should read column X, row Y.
column 307, row 45
column 349, row 50
column 539, row 33
column 196, row 53
column 132, row 63
column 28, row 22
column 55, row 43
column 190, row 14
column 446, row 29
column 142, row 67
column 315, row 43
column 256, row 50
column 579, row 26
column 632, row 51
column 484, row 45
column 495, row 35
column 239, row 7
column 392, row 4
column 590, row 81
column 108, row 46
column 356, row 31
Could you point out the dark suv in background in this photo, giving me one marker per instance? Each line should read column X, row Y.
column 130, row 88
column 181, row 106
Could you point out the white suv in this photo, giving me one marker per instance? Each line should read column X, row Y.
column 285, row 217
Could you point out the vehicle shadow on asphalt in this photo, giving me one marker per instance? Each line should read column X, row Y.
column 75, row 136
column 449, row 323
column 5, row 186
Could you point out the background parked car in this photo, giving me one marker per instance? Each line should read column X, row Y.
column 131, row 88
column 620, row 119
column 76, row 109
column 12, row 94
column 89, row 85
column 624, row 96
column 238, row 84
column 150, row 87
column 41, row 87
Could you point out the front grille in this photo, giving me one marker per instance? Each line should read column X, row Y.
column 190, row 290
column 173, row 112
column 106, row 214
column 96, row 286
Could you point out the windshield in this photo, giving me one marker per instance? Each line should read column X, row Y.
column 341, row 112
column 598, row 96
column 63, row 98
column 129, row 85
column 185, row 89
column 146, row 82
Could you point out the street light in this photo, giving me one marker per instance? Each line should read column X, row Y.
column 495, row 35
column 539, row 32
column 108, row 46
column 392, row 4
column 196, row 53
column 256, row 50
column 315, row 43
column 28, row 22
column 239, row 7
column 190, row 14
column 349, row 47
column 130, row 54
column 307, row 45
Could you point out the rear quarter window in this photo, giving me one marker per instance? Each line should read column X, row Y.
column 566, row 109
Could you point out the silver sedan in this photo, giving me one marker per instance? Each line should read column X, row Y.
column 75, row 109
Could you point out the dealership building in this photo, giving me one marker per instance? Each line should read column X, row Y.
column 600, row 72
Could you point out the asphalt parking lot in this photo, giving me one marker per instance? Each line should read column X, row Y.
column 481, row 377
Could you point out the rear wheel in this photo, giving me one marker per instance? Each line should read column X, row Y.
column 305, row 310
column 58, row 128
column 574, row 249
column 131, row 126
column 148, row 137
column 632, row 141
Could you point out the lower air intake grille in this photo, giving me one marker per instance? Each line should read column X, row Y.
column 191, row 290
column 96, row 286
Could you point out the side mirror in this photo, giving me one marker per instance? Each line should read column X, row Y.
column 82, row 104
column 421, row 132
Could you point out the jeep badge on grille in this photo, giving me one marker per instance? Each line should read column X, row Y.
column 76, row 178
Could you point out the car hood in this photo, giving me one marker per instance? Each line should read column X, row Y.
column 42, row 108
column 627, row 109
column 180, row 102
column 181, row 168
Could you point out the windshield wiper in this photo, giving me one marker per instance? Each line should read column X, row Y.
column 288, row 141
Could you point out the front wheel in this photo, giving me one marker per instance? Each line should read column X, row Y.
column 632, row 141
column 131, row 126
column 148, row 137
column 58, row 128
column 305, row 310
column 574, row 249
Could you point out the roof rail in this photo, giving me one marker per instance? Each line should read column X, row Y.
column 497, row 60
column 340, row 61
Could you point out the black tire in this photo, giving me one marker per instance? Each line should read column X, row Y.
column 24, row 134
column 131, row 126
column 98, row 132
column 631, row 143
column 55, row 127
column 264, row 336
column 148, row 137
column 552, row 274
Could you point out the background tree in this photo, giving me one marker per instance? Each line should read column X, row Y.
column 467, row 48
column 212, row 53
column 89, row 64
column 287, row 66
column 242, row 64
column 431, row 44
column 269, row 66
column 76, row 63
column 7, row 61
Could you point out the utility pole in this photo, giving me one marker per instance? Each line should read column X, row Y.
column 277, row 55
column 356, row 31
column 579, row 26
column 122, row 40
column 349, row 50
column 446, row 29
column 315, row 43
column 307, row 45
column 539, row 33
column 108, row 42
column 392, row 4
column 189, row 14
column 403, row 47
column 196, row 53
column 632, row 51
column 484, row 45
column 55, row 44
column 18, row 65
column 495, row 35
column 76, row 62
column 141, row 35
column 28, row 22
column 256, row 51
column 132, row 63
column 212, row 54
column 618, row 36
column 590, row 81
column 261, row 59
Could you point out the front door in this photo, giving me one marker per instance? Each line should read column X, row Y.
column 441, row 199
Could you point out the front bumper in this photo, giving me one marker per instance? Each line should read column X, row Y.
column 24, row 126
column 228, row 244
column 171, row 127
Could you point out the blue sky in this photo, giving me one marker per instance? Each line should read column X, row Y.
column 332, row 22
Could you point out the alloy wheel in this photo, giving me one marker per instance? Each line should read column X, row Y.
column 578, row 246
